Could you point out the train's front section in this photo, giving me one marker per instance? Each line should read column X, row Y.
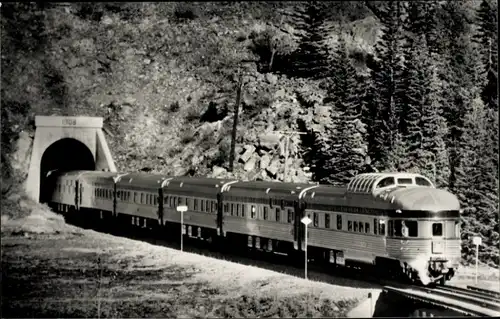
column 423, row 228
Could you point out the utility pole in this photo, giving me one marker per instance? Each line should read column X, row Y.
column 235, row 121
column 287, row 135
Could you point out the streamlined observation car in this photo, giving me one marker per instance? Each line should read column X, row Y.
column 395, row 221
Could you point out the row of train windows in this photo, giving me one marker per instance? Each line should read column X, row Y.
column 201, row 205
column 139, row 198
column 64, row 188
column 240, row 210
column 356, row 226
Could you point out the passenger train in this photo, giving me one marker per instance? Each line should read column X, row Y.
column 396, row 222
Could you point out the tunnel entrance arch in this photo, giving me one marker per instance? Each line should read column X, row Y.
column 67, row 154
column 66, row 143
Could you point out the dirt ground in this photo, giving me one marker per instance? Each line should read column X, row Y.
column 50, row 269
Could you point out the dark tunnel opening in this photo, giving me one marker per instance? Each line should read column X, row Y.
column 64, row 155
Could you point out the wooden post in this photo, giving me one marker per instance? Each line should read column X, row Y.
column 235, row 122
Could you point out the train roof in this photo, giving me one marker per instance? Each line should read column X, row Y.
column 141, row 180
column 98, row 177
column 329, row 195
column 211, row 186
column 423, row 199
column 269, row 189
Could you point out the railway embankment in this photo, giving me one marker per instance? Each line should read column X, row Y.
column 54, row 269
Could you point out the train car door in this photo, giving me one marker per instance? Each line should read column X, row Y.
column 219, row 214
column 77, row 197
column 299, row 228
column 160, row 206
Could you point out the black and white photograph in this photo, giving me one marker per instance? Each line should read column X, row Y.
column 248, row 159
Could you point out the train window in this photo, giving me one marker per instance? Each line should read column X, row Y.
column 243, row 208
column 226, row 207
column 367, row 227
column 142, row 198
column 375, row 224
column 202, row 205
column 349, row 225
column 290, row 216
column 422, row 181
column 195, row 202
column 405, row 181
column 339, row 222
column 282, row 204
column 315, row 219
column 391, row 228
column 406, row 228
column 355, row 226
column 253, row 212
column 213, row 207
column 266, row 212
column 388, row 181
column 327, row 220
column 278, row 217
column 271, row 202
column 232, row 209
column 437, row 229
column 361, row 228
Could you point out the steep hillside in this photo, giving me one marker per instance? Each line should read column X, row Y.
column 164, row 77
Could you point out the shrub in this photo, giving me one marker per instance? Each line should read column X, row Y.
column 185, row 11
column 265, row 42
column 174, row 107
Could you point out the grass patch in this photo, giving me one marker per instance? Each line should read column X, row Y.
column 98, row 275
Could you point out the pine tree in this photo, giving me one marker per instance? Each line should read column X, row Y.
column 487, row 37
column 311, row 59
column 387, row 90
column 346, row 146
column 434, row 130
column 462, row 82
column 415, row 80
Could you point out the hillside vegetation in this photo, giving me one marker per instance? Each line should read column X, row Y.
column 376, row 86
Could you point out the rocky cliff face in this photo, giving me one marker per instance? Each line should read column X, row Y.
column 164, row 78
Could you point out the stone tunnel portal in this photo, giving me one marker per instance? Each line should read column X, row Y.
column 66, row 154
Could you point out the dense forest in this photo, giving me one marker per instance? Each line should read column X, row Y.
column 428, row 105
column 422, row 97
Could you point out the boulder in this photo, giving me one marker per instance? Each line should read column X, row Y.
column 249, row 150
column 218, row 171
column 271, row 78
column 273, row 168
column 250, row 165
column 269, row 140
column 265, row 161
column 280, row 94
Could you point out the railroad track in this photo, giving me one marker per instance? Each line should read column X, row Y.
column 469, row 301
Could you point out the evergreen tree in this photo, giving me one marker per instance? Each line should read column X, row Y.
column 311, row 59
column 487, row 37
column 387, row 89
column 416, row 81
column 435, row 163
column 346, row 148
column 462, row 82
